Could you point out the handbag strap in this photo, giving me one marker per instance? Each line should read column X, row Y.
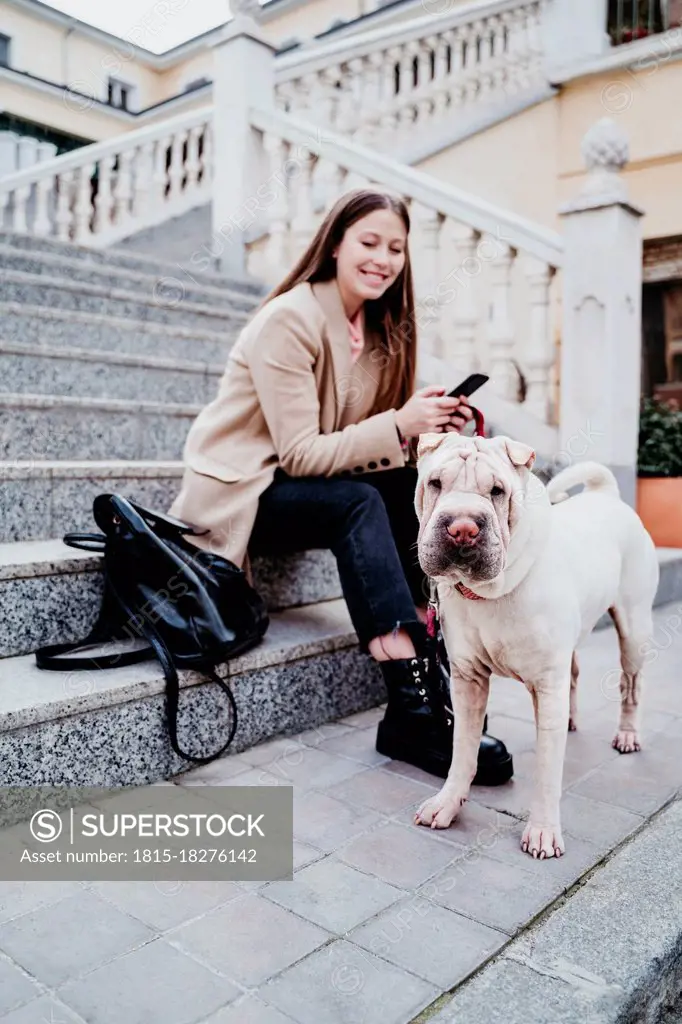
column 52, row 656
column 173, row 685
column 86, row 541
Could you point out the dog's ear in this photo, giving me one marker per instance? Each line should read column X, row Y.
column 428, row 443
column 520, row 454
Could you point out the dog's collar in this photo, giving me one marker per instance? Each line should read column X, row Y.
column 469, row 594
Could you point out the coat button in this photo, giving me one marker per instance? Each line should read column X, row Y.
column 371, row 465
column 359, row 469
column 385, row 462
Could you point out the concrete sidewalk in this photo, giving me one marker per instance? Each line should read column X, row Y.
column 383, row 919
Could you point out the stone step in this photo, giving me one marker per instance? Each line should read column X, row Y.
column 164, row 289
column 129, row 260
column 54, row 427
column 50, row 593
column 37, row 369
column 108, row 728
column 39, row 289
column 39, row 500
column 55, row 328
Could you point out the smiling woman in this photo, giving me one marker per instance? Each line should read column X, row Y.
column 310, row 444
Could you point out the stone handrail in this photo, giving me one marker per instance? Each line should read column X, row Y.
column 483, row 275
column 101, row 193
column 385, row 84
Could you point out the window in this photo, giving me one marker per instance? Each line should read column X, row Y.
column 4, row 51
column 119, row 94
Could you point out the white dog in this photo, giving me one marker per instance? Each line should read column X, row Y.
column 520, row 583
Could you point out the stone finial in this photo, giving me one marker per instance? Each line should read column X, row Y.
column 606, row 151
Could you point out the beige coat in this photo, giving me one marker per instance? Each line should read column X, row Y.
column 290, row 397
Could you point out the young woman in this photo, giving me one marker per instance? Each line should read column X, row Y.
column 308, row 445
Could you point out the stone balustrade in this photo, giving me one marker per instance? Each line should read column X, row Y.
column 383, row 86
column 101, row 193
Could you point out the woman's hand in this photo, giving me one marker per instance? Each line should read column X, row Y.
column 431, row 410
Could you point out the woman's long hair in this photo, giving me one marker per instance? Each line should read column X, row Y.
column 391, row 317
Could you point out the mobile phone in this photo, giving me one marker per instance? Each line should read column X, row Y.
column 472, row 383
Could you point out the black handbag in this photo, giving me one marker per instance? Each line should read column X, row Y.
column 195, row 609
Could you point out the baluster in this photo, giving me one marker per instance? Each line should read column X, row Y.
column 426, row 261
column 441, row 89
column 539, row 349
column 304, row 219
column 160, row 184
column 275, row 252
column 388, row 120
column 82, row 211
column 425, row 88
column 5, row 198
column 500, row 331
column 63, row 211
column 535, row 42
column 176, row 173
column 42, row 225
column 123, row 187
column 405, row 96
column 302, row 99
column 490, row 68
column 459, row 295
column 22, row 197
column 104, row 198
column 328, row 107
column 144, row 169
column 329, row 182
column 366, row 132
column 192, row 164
column 476, row 61
column 206, row 169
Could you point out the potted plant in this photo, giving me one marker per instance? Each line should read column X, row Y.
column 659, row 470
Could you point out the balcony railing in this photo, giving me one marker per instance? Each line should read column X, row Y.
column 635, row 19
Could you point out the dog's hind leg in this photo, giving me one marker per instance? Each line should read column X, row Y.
column 573, row 711
column 634, row 628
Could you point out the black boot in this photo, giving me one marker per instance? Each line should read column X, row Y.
column 418, row 725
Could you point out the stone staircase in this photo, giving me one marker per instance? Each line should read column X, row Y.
column 104, row 365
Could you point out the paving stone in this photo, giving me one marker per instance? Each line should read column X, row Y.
column 477, row 827
column 153, row 985
column 501, row 895
column 600, row 823
column 359, row 744
column 265, row 753
column 56, row 942
column 517, row 734
column 342, row 984
column 45, row 1010
column 380, row 790
column 305, row 854
column 636, row 782
column 333, row 895
column 325, row 822
column 15, row 987
column 163, row 905
column 238, row 939
column 513, row 797
column 365, row 719
column 505, row 990
column 409, row 771
column 326, row 731
column 18, row 898
column 217, row 773
column 562, row 872
column 248, row 1011
column 437, row 944
column 401, row 855
column 310, row 767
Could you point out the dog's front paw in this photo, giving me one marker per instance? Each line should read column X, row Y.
column 542, row 841
column 440, row 811
column 626, row 741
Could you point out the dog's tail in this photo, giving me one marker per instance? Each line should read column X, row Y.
column 592, row 475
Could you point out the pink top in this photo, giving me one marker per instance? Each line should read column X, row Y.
column 357, row 338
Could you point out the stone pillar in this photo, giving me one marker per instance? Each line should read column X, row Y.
column 573, row 31
column 243, row 77
column 601, row 341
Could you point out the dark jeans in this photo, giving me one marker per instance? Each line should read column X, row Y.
column 369, row 523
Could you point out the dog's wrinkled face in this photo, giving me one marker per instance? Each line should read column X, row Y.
column 468, row 498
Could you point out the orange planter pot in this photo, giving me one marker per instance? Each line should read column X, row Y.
column 659, row 505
